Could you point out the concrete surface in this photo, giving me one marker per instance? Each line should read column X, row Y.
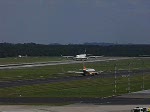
column 69, row 108
column 139, row 94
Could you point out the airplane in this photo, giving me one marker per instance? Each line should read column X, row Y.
column 81, row 57
column 86, row 71
column 89, row 71
column 96, row 56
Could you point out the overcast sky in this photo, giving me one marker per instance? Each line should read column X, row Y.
column 75, row 21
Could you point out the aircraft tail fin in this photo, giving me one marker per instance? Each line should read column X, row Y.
column 84, row 67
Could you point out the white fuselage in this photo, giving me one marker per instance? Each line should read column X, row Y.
column 89, row 71
column 81, row 57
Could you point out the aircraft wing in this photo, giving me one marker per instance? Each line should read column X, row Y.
column 77, row 72
column 68, row 56
column 95, row 56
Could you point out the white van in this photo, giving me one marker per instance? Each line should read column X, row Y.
column 137, row 109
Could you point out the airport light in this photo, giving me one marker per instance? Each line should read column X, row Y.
column 143, row 65
column 142, row 74
column 62, row 69
column 143, row 80
column 115, row 81
column 129, row 78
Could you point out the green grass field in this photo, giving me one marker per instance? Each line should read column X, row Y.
column 83, row 88
column 100, row 87
column 61, row 70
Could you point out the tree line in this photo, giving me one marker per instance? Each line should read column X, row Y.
column 32, row 49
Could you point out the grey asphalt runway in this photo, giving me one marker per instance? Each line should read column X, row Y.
column 69, row 108
column 96, row 101
column 5, row 84
column 38, row 64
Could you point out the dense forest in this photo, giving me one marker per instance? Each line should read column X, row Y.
column 32, row 49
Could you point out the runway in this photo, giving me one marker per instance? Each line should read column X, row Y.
column 39, row 64
column 16, row 83
column 69, row 108
column 115, row 100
